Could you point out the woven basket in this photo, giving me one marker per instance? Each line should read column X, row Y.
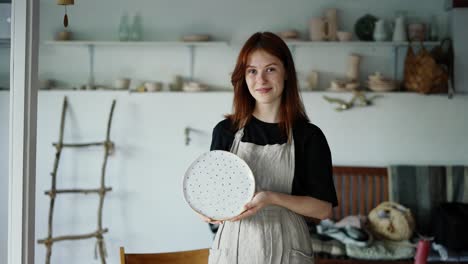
column 422, row 74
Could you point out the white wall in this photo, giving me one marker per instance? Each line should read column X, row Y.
column 146, row 206
column 146, row 211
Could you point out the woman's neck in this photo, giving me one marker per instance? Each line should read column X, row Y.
column 268, row 113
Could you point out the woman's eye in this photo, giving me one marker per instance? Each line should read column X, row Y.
column 271, row 69
column 251, row 71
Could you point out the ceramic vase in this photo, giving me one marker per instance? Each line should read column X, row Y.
column 399, row 31
column 380, row 33
column 353, row 67
column 331, row 18
column 124, row 28
column 317, row 29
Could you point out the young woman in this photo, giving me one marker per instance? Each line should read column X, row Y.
column 288, row 155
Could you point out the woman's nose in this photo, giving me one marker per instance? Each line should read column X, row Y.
column 261, row 78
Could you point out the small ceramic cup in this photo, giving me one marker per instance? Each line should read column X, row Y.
column 122, row 83
column 64, row 35
column 45, row 84
column 344, row 36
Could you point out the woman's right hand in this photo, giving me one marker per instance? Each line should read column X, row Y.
column 209, row 220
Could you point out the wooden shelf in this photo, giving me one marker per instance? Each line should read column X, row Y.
column 135, row 43
column 192, row 46
column 297, row 43
column 300, row 43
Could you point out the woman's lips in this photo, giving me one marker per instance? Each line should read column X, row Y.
column 263, row 90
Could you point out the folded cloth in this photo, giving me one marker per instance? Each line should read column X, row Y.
column 357, row 221
column 452, row 256
column 331, row 246
column 440, row 253
column 346, row 235
column 441, row 250
column 382, row 250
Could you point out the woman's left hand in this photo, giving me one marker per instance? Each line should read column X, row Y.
column 260, row 200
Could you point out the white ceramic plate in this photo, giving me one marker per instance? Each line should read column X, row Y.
column 218, row 184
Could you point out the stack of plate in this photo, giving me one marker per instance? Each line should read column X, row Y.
column 194, row 87
column 378, row 83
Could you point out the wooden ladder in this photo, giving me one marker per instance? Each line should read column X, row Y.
column 101, row 191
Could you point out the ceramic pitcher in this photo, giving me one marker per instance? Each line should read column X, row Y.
column 380, row 33
column 399, row 31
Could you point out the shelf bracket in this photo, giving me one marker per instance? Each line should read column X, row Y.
column 395, row 62
column 192, row 60
column 91, row 67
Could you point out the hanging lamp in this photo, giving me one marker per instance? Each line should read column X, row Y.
column 65, row 3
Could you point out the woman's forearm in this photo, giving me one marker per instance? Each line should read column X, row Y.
column 303, row 205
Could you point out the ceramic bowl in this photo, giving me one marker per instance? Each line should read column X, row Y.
column 344, row 36
column 122, row 83
column 352, row 85
column 153, row 86
column 196, row 37
column 63, row 35
column 383, row 85
column 289, row 34
column 194, row 87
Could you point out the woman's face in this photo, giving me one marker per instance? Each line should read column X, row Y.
column 265, row 76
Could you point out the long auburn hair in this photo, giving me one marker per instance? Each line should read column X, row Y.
column 291, row 107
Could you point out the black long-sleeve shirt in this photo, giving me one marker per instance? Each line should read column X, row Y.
column 313, row 175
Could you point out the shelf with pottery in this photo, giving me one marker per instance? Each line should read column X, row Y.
column 230, row 92
column 191, row 45
column 370, row 44
column 394, row 47
column 135, row 43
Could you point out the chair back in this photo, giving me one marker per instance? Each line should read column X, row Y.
column 199, row 256
column 359, row 189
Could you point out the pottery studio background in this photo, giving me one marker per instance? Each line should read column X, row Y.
column 146, row 211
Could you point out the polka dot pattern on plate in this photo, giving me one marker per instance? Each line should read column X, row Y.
column 218, row 184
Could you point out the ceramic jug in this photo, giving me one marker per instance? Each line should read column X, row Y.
column 380, row 33
column 317, row 29
column 399, row 31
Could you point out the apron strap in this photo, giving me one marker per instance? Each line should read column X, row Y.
column 234, row 149
column 237, row 139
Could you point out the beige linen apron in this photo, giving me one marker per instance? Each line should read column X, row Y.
column 275, row 235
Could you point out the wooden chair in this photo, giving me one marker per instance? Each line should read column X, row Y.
column 199, row 256
column 359, row 189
